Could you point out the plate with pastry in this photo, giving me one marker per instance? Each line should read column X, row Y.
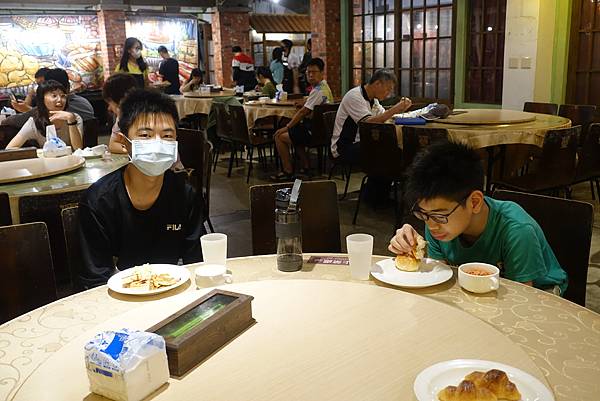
column 148, row 279
column 473, row 379
column 412, row 270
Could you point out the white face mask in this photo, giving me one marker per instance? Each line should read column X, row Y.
column 153, row 156
column 137, row 54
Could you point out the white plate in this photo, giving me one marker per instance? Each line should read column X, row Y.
column 449, row 373
column 431, row 272
column 114, row 283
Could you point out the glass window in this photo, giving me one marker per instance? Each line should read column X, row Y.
column 368, row 55
column 379, row 27
column 431, row 24
column 357, row 29
column 368, row 30
column 379, row 55
column 389, row 55
column 389, row 27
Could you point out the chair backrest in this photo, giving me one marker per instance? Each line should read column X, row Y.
column 380, row 154
column 70, row 223
column 329, row 123
column 27, row 274
column 570, row 238
column 91, row 128
column 5, row 216
column 319, row 213
column 223, row 129
column 542, row 108
column 7, row 133
column 320, row 135
column 47, row 208
column 415, row 139
column 18, row 154
column 239, row 124
column 588, row 155
column 579, row 115
column 559, row 155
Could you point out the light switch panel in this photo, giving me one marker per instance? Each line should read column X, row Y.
column 513, row 62
column 525, row 63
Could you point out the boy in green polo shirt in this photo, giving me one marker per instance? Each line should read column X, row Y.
column 463, row 225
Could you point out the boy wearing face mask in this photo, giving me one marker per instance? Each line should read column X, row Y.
column 143, row 212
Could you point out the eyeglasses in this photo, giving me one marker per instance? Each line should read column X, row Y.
column 440, row 218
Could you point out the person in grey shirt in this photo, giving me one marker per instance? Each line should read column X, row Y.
column 76, row 104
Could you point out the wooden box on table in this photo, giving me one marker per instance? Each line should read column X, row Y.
column 202, row 327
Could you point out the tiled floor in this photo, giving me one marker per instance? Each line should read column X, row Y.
column 230, row 204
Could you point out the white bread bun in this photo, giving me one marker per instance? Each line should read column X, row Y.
column 407, row 263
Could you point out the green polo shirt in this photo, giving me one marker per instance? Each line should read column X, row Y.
column 513, row 241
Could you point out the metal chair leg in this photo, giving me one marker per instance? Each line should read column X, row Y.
column 231, row 157
column 362, row 184
column 592, row 190
column 347, row 180
column 212, row 229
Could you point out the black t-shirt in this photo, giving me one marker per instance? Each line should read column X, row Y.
column 110, row 226
column 169, row 69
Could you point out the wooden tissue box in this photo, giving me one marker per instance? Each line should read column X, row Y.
column 204, row 326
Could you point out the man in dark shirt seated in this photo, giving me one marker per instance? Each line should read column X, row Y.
column 143, row 212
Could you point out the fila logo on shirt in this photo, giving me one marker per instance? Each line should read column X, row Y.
column 173, row 227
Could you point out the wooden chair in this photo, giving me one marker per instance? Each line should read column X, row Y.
column 27, row 274
column 329, row 120
column 542, row 108
column 380, row 156
column 5, row 216
column 554, row 170
column 18, row 154
column 223, row 130
column 588, row 160
column 319, row 213
column 415, row 139
column 91, row 128
column 258, row 138
column 47, row 208
column 70, row 223
column 194, row 149
column 579, row 115
column 320, row 134
column 567, row 226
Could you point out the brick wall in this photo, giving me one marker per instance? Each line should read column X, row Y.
column 229, row 29
column 326, row 43
column 111, row 24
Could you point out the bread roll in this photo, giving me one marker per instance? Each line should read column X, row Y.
column 407, row 263
column 466, row 391
column 497, row 382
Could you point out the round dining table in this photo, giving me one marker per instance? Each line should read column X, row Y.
column 482, row 128
column 319, row 335
column 256, row 110
column 196, row 102
column 82, row 178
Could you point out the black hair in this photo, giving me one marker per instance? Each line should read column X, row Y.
column 41, row 72
column 309, row 41
column 139, row 102
column 448, row 170
column 287, row 43
column 162, row 49
column 319, row 63
column 236, row 49
column 383, row 75
column 117, row 85
column 58, row 75
column 277, row 54
column 265, row 72
column 129, row 43
column 196, row 72
column 41, row 115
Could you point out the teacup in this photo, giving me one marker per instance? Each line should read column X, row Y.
column 212, row 275
column 479, row 277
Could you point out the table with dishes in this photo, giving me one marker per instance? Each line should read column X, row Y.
column 319, row 334
column 197, row 102
column 257, row 109
column 42, row 176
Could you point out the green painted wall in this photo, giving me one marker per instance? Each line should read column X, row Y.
column 560, row 60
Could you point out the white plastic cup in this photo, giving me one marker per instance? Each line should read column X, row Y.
column 360, row 250
column 212, row 276
column 214, row 249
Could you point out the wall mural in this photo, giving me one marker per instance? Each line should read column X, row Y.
column 28, row 43
column 179, row 36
